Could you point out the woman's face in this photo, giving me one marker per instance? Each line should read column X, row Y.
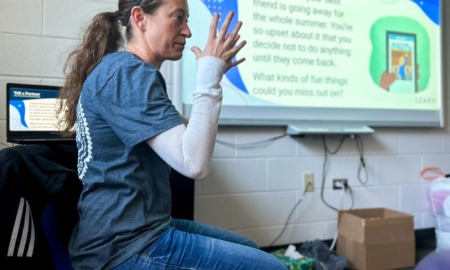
column 167, row 30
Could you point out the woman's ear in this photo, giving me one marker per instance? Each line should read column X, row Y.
column 137, row 16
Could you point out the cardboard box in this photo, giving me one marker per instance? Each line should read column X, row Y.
column 376, row 238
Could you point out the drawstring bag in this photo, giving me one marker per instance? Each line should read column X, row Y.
column 439, row 194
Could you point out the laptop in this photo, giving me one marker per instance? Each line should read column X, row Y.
column 31, row 116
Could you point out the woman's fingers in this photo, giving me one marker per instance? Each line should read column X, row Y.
column 225, row 25
column 213, row 27
column 235, row 63
column 222, row 45
column 235, row 50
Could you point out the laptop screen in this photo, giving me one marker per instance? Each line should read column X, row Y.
column 31, row 115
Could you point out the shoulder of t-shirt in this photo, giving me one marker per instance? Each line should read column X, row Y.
column 124, row 59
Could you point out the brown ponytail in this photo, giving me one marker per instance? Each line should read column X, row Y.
column 103, row 36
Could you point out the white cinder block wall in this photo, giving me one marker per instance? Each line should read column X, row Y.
column 249, row 190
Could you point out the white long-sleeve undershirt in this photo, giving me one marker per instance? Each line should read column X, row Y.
column 188, row 148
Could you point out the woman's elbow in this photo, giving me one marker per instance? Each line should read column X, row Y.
column 199, row 172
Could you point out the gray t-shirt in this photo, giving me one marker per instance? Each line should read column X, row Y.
column 125, row 203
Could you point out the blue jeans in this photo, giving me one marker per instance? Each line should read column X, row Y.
column 191, row 245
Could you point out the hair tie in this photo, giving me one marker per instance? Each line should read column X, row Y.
column 127, row 18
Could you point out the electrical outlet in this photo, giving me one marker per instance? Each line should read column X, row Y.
column 339, row 183
column 308, row 182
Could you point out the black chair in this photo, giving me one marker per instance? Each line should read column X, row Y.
column 38, row 197
column 44, row 179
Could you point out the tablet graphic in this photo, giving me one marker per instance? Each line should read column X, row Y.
column 401, row 60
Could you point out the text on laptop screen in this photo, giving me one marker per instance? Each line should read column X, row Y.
column 33, row 109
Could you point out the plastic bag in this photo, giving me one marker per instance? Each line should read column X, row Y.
column 439, row 193
column 324, row 258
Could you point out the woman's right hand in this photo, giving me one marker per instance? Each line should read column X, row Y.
column 222, row 45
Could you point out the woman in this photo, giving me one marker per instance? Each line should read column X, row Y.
column 129, row 136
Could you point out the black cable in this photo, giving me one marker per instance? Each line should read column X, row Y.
column 341, row 142
column 349, row 189
column 362, row 163
column 324, row 167
column 361, row 166
column 290, row 214
column 252, row 144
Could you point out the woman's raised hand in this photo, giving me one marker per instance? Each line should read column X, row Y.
column 222, row 45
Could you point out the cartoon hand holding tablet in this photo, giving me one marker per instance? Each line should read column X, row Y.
column 401, row 65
